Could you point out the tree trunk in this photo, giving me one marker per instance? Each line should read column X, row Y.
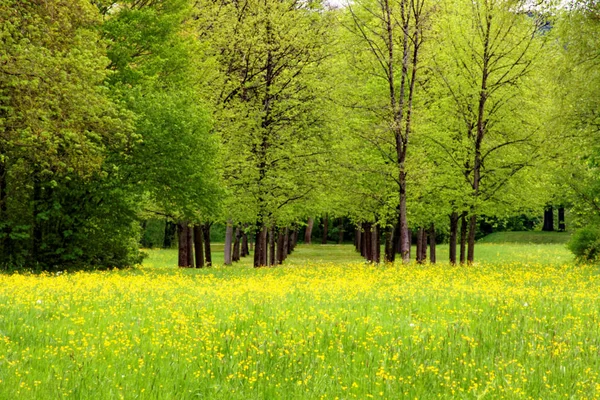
column 236, row 244
column 453, row 236
column 325, row 229
column 548, row 219
column 264, row 246
column 341, row 231
column 376, row 245
column 257, row 250
column 170, row 229
column 286, row 243
column 228, row 260
column 190, row 246
column 373, row 243
column 363, row 241
column 359, row 238
column 368, row 242
column 561, row 219
column 290, row 241
column 260, row 247
column 245, row 250
column 397, row 239
column 184, row 250
column 272, row 246
column 280, row 252
column 472, row 229
column 424, row 245
column 432, row 244
column 404, row 236
column 390, row 245
column 419, row 245
column 207, row 252
column 198, row 246
column 308, row 231
column 409, row 235
column 463, row 237
column 294, row 239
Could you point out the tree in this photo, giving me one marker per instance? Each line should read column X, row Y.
column 389, row 35
column 488, row 51
column 61, row 137
column 267, row 103
column 158, row 66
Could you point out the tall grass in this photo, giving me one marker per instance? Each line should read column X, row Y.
column 304, row 331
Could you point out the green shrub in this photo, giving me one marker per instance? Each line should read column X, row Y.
column 585, row 244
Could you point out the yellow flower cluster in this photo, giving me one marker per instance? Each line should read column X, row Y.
column 314, row 332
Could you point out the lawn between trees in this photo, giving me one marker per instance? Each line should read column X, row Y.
column 324, row 325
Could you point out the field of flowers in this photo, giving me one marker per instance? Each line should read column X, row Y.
column 321, row 331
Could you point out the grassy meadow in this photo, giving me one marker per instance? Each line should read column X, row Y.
column 524, row 322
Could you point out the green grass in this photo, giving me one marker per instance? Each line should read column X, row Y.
column 325, row 325
column 537, row 237
column 502, row 253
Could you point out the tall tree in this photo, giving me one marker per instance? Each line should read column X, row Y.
column 389, row 39
column 268, row 103
column 489, row 49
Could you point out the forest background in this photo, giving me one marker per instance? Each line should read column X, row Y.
column 146, row 122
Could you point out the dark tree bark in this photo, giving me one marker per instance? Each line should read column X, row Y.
column 358, row 238
column 341, row 231
column 286, row 243
column 423, row 245
column 390, row 245
column 363, row 240
column 260, row 247
column 236, row 244
column 548, row 219
column 308, row 231
column 280, row 251
column 471, row 242
column 432, row 244
column 453, row 236
column 257, row 249
column 294, row 239
column 271, row 246
column 368, row 242
column 264, row 255
column 170, row 229
column 376, row 245
column 198, row 246
column 184, row 259
column 228, row 243
column 207, row 252
column 245, row 249
column 190, row 246
column 561, row 219
column 397, row 239
column 463, row 237
column 419, row 257
column 325, row 229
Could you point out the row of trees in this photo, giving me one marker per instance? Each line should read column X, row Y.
column 398, row 115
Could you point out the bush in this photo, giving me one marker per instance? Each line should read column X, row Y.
column 585, row 244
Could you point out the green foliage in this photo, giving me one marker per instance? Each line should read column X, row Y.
column 62, row 202
column 585, row 243
column 157, row 76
